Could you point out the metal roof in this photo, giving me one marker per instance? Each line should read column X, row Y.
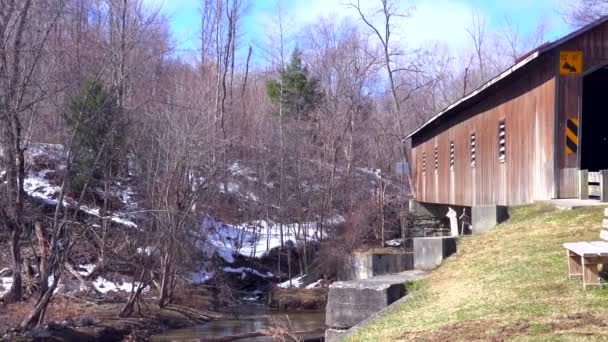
column 534, row 54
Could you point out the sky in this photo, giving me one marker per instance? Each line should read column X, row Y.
column 430, row 21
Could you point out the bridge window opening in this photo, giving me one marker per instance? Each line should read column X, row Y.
column 473, row 143
column 593, row 139
column 423, row 163
column 451, row 156
column 502, row 142
column 436, row 159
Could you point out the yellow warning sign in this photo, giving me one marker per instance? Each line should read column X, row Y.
column 572, row 136
column 570, row 62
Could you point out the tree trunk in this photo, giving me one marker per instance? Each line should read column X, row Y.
column 129, row 308
column 16, row 291
column 165, row 282
column 36, row 317
column 44, row 255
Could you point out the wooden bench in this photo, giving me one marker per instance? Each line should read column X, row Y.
column 584, row 257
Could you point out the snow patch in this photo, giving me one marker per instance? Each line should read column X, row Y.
column 299, row 282
column 226, row 254
column 116, row 218
column 88, row 269
column 200, row 276
column 5, row 285
column 316, row 284
column 231, row 187
column 294, row 282
column 149, row 250
column 243, row 171
column 244, row 270
column 104, row 286
column 255, row 238
column 394, row 243
column 36, row 185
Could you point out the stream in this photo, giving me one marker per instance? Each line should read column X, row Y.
column 251, row 318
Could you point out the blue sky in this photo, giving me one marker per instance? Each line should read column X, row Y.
column 430, row 20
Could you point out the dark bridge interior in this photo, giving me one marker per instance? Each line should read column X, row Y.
column 594, row 125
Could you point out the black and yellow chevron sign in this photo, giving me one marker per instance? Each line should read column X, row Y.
column 571, row 136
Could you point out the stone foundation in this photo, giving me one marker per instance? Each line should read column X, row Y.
column 429, row 252
column 333, row 335
column 350, row 302
column 484, row 217
column 361, row 266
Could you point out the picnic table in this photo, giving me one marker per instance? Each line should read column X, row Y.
column 585, row 257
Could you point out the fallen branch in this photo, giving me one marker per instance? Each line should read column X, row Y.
column 78, row 299
column 234, row 337
column 80, row 278
column 193, row 314
column 258, row 333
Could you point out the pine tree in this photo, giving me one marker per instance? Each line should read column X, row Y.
column 298, row 92
column 93, row 118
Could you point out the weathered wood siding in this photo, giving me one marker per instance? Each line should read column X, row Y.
column 526, row 101
column 594, row 45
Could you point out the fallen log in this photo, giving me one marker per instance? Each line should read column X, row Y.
column 234, row 337
column 258, row 333
column 87, row 284
column 194, row 314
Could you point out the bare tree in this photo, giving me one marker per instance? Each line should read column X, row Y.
column 477, row 32
column 24, row 32
column 395, row 62
column 582, row 12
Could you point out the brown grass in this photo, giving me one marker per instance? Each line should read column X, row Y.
column 298, row 299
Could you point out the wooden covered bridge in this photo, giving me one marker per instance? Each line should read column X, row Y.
column 527, row 135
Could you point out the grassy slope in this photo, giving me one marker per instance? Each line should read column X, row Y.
column 509, row 283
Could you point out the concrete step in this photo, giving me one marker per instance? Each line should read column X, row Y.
column 351, row 302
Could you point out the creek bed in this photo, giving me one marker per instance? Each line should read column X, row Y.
column 251, row 318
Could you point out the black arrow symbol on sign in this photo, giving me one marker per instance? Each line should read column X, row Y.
column 569, row 67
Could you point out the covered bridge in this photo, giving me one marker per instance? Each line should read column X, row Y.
column 524, row 135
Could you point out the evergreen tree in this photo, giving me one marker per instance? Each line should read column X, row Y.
column 298, row 92
column 92, row 116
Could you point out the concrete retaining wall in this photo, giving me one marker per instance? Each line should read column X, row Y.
column 350, row 302
column 366, row 265
column 484, row 217
column 429, row 252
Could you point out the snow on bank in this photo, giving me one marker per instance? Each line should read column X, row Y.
column 88, row 269
column 200, row 276
column 36, row 185
column 255, row 238
column 299, row 282
column 5, row 285
column 104, row 285
column 294, row 282
column 239, row 170
column 67, row 285
column 244, row 270
column 316, row 284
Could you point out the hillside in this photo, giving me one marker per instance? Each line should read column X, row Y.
column 509, row 283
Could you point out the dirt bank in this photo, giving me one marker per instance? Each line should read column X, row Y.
column 71, row 319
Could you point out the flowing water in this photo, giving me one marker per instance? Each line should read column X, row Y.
column 251, row 318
